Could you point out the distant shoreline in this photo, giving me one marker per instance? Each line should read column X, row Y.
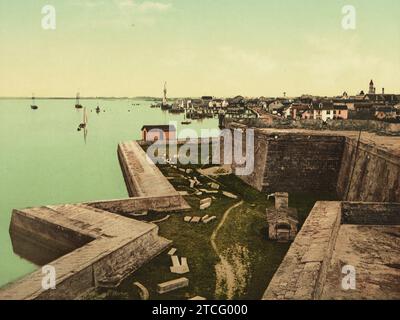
column 83, row 98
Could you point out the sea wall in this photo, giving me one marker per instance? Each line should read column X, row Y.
column 310, row 124
column 368, row 174
column 141, row 204
column 99, row 249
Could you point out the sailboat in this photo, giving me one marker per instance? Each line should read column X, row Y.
column 83, row 125
column 33, row 105
column 77, row 104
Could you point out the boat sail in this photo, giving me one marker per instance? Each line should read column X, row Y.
column 33, row 105
column 77, row 103
column 83, row 125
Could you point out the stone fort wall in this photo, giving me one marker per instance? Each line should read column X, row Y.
column 315, row 162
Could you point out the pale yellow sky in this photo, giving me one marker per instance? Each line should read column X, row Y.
column 208, row 47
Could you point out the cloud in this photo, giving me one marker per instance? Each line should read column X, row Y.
column 146, row 6
column 252, row 61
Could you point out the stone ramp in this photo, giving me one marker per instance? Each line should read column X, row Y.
column 143, row 178
column 105, row 248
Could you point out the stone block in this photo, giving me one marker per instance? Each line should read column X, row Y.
column 187, row 219
column 206, row 200
column 172, row 285
column 195, row 220
column 208, row 220
column 172, row 251
column 198, row 298
column 214, row 185
column 229, row 195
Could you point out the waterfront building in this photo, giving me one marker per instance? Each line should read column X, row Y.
column 158, row 132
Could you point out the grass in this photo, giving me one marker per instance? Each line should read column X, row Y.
column 244, row 228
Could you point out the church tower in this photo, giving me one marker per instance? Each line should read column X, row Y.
column 371, row 88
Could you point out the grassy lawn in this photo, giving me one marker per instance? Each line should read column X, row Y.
column 242, row 240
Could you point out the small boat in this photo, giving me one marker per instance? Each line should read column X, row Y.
column 33, row 105
column 83, row 125
column 186, row 122
column 98, row 109
column 77, row 103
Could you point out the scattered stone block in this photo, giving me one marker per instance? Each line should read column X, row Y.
column 183, row 193
column 179, row 267
column 198, row 298
column 205, row 217
column 214, row 186
column 206, row 200
column 230, row 195
column 172, row 285
column 172, row 251
column 205, row 203
column 205, row 206
column 187, row 219
column 189, row 171
column 144, row 293
column 195, row 220
column 192, row 183
column 210, row 219
column 175, row 261
column 209, row 191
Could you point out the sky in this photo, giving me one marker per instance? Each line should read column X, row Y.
column 200, row 47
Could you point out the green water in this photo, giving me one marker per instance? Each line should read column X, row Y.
column 44, row 160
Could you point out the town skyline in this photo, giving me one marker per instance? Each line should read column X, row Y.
column 128, row 48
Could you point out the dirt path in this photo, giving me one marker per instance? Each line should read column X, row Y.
column 226, row 281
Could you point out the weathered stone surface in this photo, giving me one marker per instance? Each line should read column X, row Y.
column 198, row 298
column 312, row 268
column 210, row 219
column 144, row 293
column 112, row 247
column 142, row 175
column 195, row 220
column 229, row 195
column 311, row 161
column 172, row 251
column 172, row 285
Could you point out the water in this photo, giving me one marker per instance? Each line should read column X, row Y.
column 44, row 160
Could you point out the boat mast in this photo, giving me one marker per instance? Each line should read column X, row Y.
column 165, row 94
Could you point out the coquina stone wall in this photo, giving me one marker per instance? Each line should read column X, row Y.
column 324, row 163
column 296, row 163
column 368, row 174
